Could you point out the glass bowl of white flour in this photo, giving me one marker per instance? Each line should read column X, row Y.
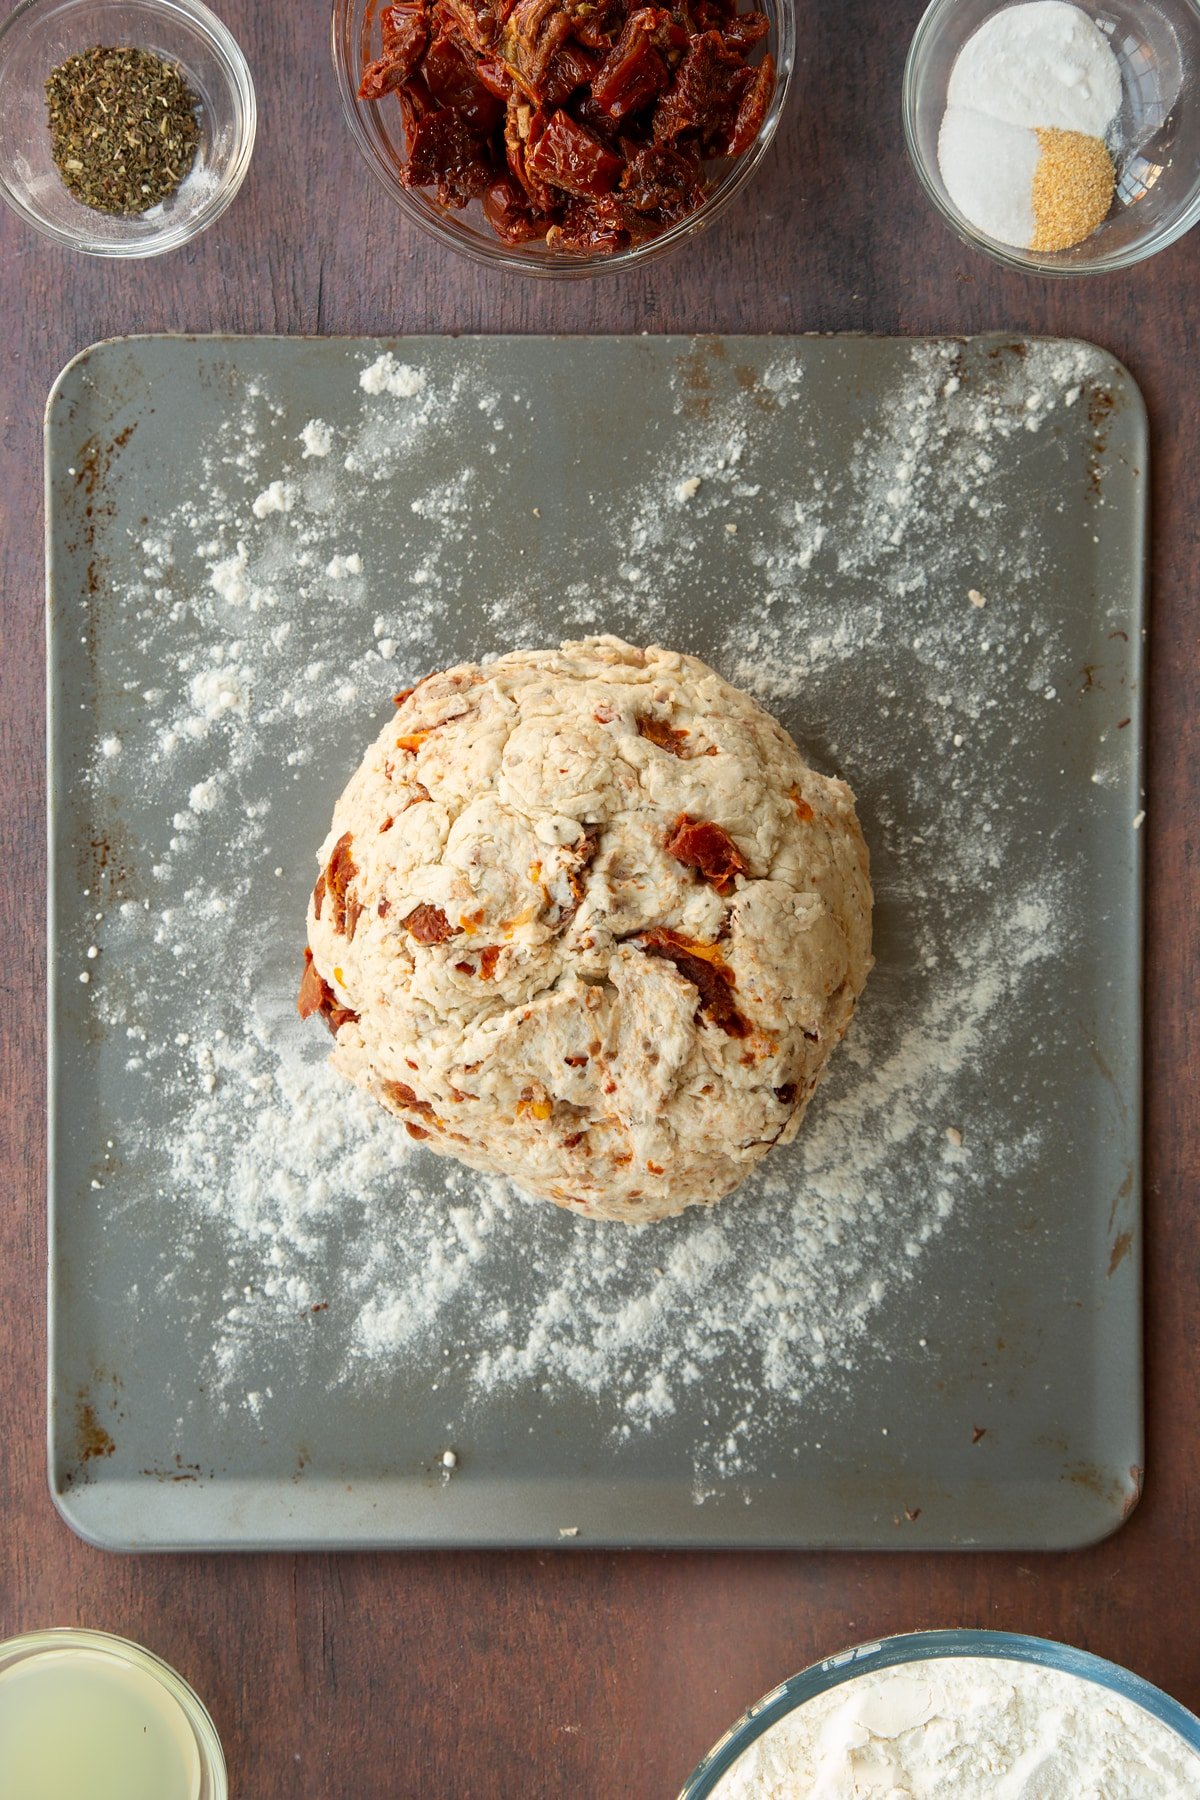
column 989, row 81
column 982, row 1715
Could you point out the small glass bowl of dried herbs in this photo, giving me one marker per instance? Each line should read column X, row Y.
column 126, row 126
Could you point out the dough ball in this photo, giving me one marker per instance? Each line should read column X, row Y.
column 586, row 918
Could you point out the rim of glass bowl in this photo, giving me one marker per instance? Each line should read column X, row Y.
column 1025, row 261
column 362, row 116
column 921, row 1646
column 230, row 55
column 213, row 1771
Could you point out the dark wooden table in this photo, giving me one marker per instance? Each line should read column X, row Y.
column 479, row 1677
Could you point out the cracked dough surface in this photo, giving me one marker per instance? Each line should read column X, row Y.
column 531, row 952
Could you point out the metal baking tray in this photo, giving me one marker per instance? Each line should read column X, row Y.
column 928, row 558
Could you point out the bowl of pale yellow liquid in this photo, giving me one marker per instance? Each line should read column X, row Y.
column 86, row 1716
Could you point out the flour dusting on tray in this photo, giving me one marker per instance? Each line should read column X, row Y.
column 268, row 628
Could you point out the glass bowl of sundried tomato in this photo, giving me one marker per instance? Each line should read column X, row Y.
column 563, row 137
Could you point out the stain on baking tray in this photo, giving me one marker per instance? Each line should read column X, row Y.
column 96, row 1412
column 1123, row 1193
column 696, row 372
column 1102, row 403
column 1122, row 1245
column 91, row 468
column 182, row 1471
column 95, row 459
column 1118, row 1491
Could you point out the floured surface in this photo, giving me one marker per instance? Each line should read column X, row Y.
column 924, row 559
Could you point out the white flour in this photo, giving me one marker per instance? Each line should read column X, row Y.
column 793, row 1287
column 976, row 1727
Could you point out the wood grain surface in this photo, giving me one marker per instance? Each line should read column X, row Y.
column 487, row 1677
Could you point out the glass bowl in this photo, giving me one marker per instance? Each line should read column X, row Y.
column 376, row 129
column 41, row 34
column 924, row 1646
column 1155, row 143
column 71, row 1679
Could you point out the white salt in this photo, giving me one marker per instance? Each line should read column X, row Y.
column 988, row 167
column 1041, row 64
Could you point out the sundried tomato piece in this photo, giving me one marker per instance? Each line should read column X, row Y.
column 508, row 212
column 711, row 978
column 383, row 77
column 802, row 809
column 339, row 873
column 405, row 36
column 667, row 182
column 518, row 122
column 479, row 21
column 753, row 109
column 316, row 996
column 394, row 21
column 451, row 80
column 597, row 226
column 403, row 1095
column 318, row 896
column 489, row 956
column 445, row 153
column 571, row 68
column 635, row 70
column 584, row 107
column 745, row 30
column 567, row 156
column 428, row 924
column 313, row 988
column 706, row 94
column 493, row 75
column 665, row 736
column 699, row 844
column 595, row 25
column 416, row 103
column 534, row 32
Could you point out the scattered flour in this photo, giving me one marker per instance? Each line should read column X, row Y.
column 338, row 567
column 316, row 438
column 265, row 689
column 387, row 376
column 280, row 497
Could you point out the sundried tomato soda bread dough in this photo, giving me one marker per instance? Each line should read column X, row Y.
column 587, row 919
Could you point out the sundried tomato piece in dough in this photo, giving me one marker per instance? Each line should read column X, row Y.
column 699, row 844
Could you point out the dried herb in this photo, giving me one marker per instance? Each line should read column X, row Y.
column 123, row 127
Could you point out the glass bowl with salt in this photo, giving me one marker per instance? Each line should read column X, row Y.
column 1061, row 138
